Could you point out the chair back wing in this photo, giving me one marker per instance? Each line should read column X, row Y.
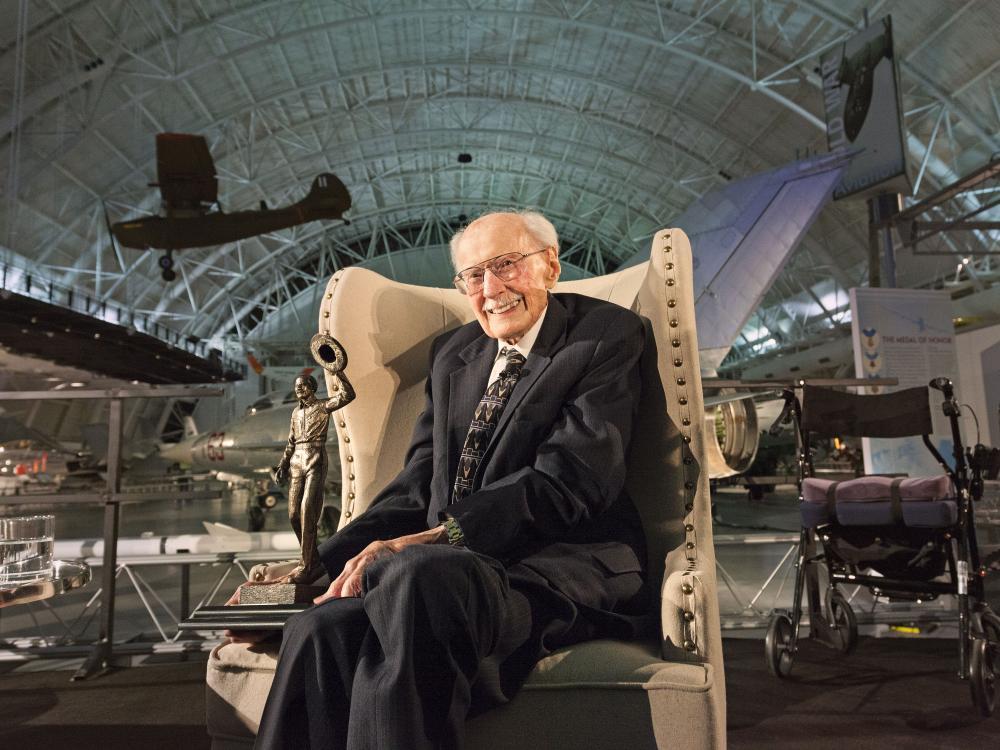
column 386, row 329
column 668, row 475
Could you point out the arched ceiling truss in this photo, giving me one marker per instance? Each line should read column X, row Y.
column 609, row 117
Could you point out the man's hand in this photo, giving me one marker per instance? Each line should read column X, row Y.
column 279, row 474
column 348, row 583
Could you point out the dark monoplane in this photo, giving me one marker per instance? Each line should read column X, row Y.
column 857, row 72
column 189, row 189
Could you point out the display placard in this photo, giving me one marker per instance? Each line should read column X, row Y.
column 905, row 334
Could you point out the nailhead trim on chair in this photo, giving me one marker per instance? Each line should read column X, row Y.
column 348, row 493
column 690, row 642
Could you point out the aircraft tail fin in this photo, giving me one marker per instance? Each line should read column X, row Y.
column 190, row 428
column 327, row 194
column 226, row 538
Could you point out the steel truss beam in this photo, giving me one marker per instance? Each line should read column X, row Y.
column 712, row 37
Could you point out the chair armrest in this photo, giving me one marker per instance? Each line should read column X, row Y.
column 271, row 571
column 687, row 606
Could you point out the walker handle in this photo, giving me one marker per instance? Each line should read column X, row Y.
column 944, row 385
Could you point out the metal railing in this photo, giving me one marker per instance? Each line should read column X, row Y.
column 112, row 497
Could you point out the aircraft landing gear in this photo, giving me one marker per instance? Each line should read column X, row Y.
column 166, row 263
column 255, row 518
column 260, row 505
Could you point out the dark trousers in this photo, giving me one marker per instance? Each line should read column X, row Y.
column 439, row 631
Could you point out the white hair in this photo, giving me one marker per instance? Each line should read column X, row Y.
column 537, row 226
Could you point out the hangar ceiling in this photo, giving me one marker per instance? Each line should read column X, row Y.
column 610, row 117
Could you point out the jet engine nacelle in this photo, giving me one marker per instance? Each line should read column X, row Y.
column 731, row 436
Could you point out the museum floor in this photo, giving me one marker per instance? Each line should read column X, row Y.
column 891, row 692
column 888, row 694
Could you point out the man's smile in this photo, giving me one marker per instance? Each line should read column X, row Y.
column 502, row 307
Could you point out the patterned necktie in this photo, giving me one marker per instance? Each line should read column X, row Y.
column 484, row 421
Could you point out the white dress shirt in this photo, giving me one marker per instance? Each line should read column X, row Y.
column 523, row 345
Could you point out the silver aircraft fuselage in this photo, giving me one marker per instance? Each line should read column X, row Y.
column 248, row 447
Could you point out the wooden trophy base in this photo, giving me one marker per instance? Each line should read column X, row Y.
column 279, row 593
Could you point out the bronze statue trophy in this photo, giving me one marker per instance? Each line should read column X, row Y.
column 303, row 466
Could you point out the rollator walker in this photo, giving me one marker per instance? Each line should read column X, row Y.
column 905, row 538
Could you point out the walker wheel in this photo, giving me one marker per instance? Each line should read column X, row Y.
column 844, row 621
column 778, row 646
column 984, row 664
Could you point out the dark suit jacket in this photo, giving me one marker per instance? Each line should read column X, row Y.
column 550, row 490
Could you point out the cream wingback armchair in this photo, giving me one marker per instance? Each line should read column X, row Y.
column 667, row 693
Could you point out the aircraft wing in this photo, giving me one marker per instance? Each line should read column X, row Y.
column 741, row 235
column 185, row 171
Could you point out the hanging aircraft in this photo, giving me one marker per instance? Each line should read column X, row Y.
column 189, row 191
column 857, row 72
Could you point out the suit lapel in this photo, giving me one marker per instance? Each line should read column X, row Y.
column 467, row 383
column 550, row 339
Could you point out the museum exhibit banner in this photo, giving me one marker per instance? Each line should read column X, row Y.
column 979, row 379
column 864, row 112
column 905, row 334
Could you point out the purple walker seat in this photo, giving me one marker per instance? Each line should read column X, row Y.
column 927, row 502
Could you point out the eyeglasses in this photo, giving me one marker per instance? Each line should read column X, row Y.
column 505, row 267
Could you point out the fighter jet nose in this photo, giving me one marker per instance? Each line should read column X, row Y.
column 176, row 452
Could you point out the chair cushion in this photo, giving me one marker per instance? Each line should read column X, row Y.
column 237, row 683
column 606, row 694
column 619, row 664
column 239, row 678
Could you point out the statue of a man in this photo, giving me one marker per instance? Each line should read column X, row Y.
column 304, row 464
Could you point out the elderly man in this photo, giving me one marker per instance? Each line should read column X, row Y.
column 506, row 535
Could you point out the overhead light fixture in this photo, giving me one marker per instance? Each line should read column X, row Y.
column 77, row 384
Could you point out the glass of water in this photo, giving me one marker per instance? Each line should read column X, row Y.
column 25, row 549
